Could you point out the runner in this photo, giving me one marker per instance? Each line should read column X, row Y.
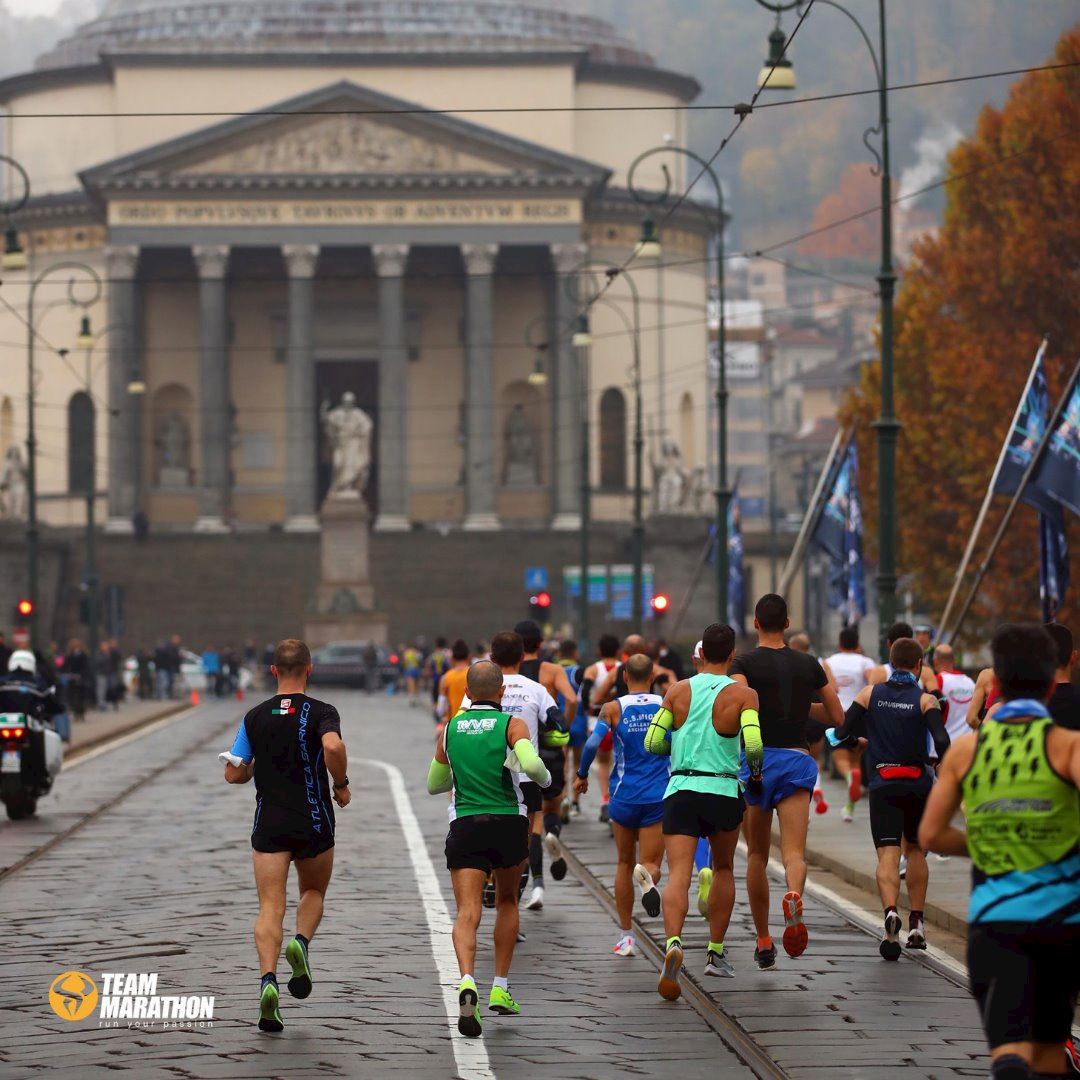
column 435, row 665
column 704, row 717
column 1018, row 779
column 547, row 825
column 579, row 729
column 983, row 698
column 851, row 669
column 785, row 682
column 288, row 743
column 815, row 730
column 410, row 661
column 1064, row 703
column 488, row 828
column 896, row 718
column 955, row 691
column 882, row 672
column 702, row 853
column 452, row 683
column 596, row 674
column 636, row 808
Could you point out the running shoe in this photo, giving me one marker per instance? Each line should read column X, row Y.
column 795, row 935
column 1072, row 1057
column 704, row 884
column 469, row 1023
column 520, row 936
column 916, row 939
column 765, row 958
column 669, row 987
column 564, row 811
column 536, row 901
column 890, row 942
column 555, row 853
column 903, row 867
column 575, row 810
column 626, row 946
column 503, row 1003
column 938, row 858
column 604, row 814
column 300, row 983
column 820, row 805
column 650, row 894
column 269, row 1016
column 488, row 895
column 848, row 813
column 718, row 965
column 854, row 788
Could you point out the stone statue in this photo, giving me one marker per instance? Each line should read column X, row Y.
column 672, row 478
column 519, row 450
column 13, row 485
column 348, row 428
column 175, row 443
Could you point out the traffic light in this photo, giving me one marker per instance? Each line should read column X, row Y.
column 539, row 604
column 660, row 604
column 24, row 609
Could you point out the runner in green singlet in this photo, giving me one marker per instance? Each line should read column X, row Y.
column 704, row 717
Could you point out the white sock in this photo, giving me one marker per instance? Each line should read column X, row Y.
column 501, row 983
column 467, row 978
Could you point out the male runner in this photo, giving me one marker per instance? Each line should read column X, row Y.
column 815, row 730
column 786, row 682
column 547, row 825
column 955, row 691
column 704, row 717
column 882, row 672
column 596, row 675
column 488, row 829
column 568, row 659
column 983, row 698
column 288, row 743
column 636, row 808
column 452, row 683
column 1064, row 703
column 896, row 718
column 850, row 668
column 1018, row 778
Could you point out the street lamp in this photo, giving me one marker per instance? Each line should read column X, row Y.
column 14, row 257
column 886, row 426
column 723, row 492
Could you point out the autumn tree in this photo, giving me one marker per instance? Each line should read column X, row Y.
column 977, row 298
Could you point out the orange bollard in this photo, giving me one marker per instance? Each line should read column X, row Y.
column 194, row 697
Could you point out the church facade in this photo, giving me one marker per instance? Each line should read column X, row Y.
column 392, row 206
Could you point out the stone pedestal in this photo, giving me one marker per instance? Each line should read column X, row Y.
column 344, row 607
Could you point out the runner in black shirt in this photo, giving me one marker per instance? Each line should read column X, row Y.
column 1064, row 700
column 287, row 744
column 786, row 682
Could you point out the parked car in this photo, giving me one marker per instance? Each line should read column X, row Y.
column 341, row 663
column 192, row 676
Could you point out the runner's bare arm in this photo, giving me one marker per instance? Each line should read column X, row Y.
column 604, row 689
column 337, row 761
column 239, row 774
column 982, row 689
column 828, row 673
column 834, row 711
column 561, row 684
column 936, row 831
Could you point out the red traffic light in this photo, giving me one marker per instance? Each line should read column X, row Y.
column 660, row 603
column 541, row 600
column 26, row 608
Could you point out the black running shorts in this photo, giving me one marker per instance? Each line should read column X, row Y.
column 555, row 760
column 532, row 794
column 697, row 813
column 300, row 846
column 896, row 808
column 815, row 731
column 487, row 842
column 1025, row 980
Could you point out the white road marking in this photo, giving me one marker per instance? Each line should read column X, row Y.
column 123, row 740
column 470, row 1054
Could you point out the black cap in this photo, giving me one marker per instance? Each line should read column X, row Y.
column 528, row 629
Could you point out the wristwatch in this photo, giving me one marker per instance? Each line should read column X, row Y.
column 344, row 784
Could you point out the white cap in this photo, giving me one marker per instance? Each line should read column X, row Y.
column 22, row 659
column 698, row 654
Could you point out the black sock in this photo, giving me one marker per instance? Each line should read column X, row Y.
column 269, row 977
column 915, row 918
column 536, row 857
column 523, row 882
column 552, row 824
column 890, row 910
column 303, row 941
column 1010, row 1067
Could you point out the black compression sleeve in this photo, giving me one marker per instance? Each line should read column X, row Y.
column 854, row 726
column 586, row 692
column 936, row 726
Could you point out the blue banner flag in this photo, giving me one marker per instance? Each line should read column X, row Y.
column 736, row 612
column 855, row 571
column 839, row 534
column 1057, row 476
column 1053, row 563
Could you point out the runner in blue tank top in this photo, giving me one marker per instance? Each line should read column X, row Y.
column 638, row 783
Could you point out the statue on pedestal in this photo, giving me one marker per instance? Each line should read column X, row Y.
column 175, row 443
column 14, row 488
column 348, row 429
column 672, row 478
column 519, row 445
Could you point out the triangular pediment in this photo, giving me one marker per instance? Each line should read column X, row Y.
column 343, row 130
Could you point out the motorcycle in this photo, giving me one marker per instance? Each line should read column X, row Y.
column 31, row 755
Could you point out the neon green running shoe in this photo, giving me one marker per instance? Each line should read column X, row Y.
column 469, row 1023
column 300, row 983
column 502, row 1002
column 269, row 1016
column 704, row 884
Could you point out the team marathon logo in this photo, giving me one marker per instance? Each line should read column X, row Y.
column 129, row 997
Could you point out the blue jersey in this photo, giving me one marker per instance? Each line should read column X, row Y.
column 638, row 777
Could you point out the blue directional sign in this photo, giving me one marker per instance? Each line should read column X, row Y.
column 536, row 578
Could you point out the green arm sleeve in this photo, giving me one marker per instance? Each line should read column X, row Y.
column 440, row 778
column 656, row 735
column 530, row 762
column 751, row 733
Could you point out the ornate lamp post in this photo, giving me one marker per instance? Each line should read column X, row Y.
column 650, row 245
column 886, row 426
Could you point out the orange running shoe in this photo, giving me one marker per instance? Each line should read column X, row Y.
column 820, row 805
column 795, row 935
column 854, row 788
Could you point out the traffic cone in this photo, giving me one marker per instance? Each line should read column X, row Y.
column 194, row 697
column 239, row 693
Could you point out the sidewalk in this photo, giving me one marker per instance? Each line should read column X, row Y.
column 100, row 726
column 847, row 851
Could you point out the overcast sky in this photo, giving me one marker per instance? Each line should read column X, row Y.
column 32, row 7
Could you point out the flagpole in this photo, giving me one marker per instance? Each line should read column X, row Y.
column 1021, row 488
column 813, row 511
column 988, row 498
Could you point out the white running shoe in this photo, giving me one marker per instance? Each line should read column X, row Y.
column 848, row 813
column 625, row 946
column 536, row 900
column 650, row 894
column 903, row 867
column 557, row 866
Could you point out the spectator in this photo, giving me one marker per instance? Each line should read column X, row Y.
column 115, row 688
column 370, row 658
column 101, row 676
column 174, row 664
column 77, row 678
column 144, row 660
column 162, row 671
column 211, row 665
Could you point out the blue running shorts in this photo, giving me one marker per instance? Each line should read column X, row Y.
column 635, row 815
column 783, row 773
column 579, row 729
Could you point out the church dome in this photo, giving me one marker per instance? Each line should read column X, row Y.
column 321, row 27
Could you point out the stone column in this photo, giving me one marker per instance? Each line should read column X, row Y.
column 566, row 391
column 211, row 262
column 299, row 431
column 121, row 424
column 479, row 388
column 390, row 260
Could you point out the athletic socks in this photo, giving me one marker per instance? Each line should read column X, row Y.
column 303, row 941
column 915, row 920
column 672, row 941
column 522, row 883
column 764, row 943
column 269, row 977
column 716, row 947
column 536, row 857
column 1010, row 1067
column 552, row 824
column 501, row 982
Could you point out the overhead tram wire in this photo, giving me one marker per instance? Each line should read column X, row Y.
column 540, row 109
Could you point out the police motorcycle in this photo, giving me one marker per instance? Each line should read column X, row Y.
column 31, row 751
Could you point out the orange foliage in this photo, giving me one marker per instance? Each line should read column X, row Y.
column 973, row 306
column 858, row 240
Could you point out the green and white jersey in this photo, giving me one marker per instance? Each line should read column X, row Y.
column 484, row 767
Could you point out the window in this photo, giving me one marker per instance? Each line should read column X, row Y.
column 613, row 439
column 80, row 444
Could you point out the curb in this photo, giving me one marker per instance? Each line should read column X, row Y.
column 97, row 740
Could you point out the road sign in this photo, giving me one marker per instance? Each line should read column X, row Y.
column 536, row 578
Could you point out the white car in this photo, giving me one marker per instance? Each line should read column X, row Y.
column 192, row 676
